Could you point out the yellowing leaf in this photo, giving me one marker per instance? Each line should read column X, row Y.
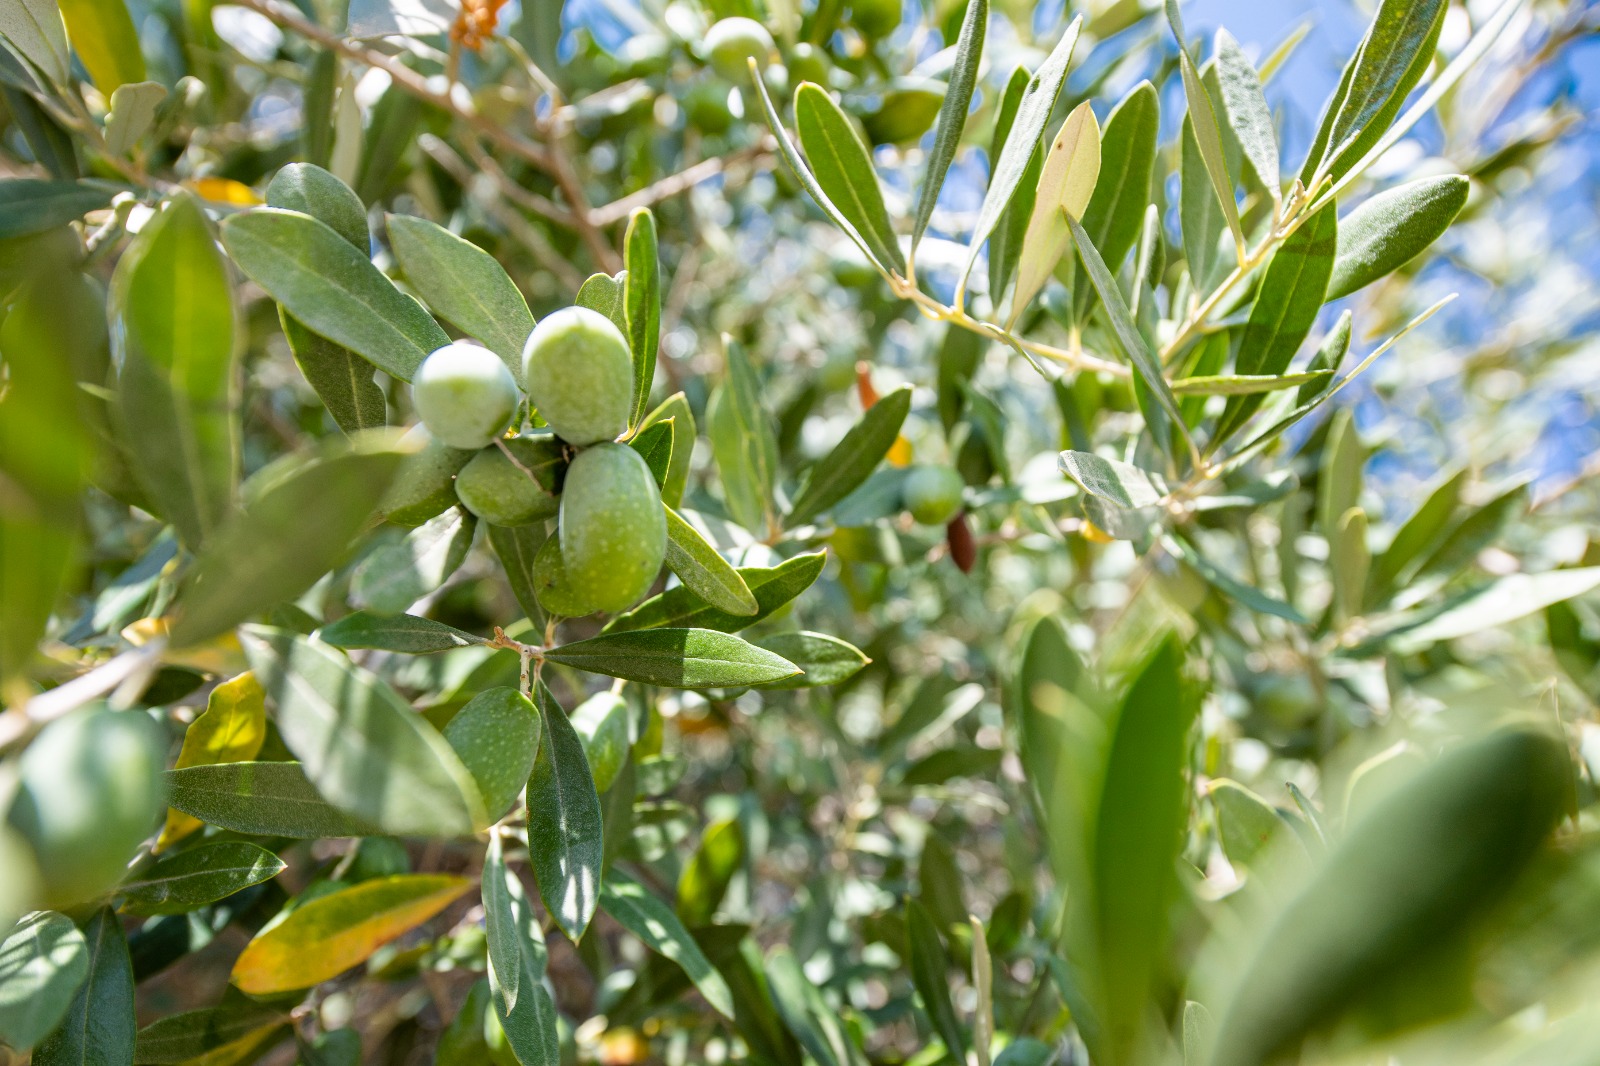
column 231, row 729
column 225, row 191
column 900, row 452
column 325, row 937
column 1066, row 183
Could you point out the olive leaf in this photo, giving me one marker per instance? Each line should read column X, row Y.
column 565, row 833
column 1066, row 184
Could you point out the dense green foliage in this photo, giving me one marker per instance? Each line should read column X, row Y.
column 567, row 555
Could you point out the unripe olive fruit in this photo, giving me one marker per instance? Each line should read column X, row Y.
column 552, row 588
column 424, row 485
column 875, row 18
column 706, row 106
column 732, row 41
column 90, row 790
column 807, row 62
column 465, row 395
column 602, row 725
column 513, row 482
column 933, row 494
column 579, row 373
column 613, row 530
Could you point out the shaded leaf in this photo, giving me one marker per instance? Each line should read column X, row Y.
column 261, row 798
column 230, row 729
column 362, row 746
column 856, row 456
column 565, row 831
column 105, row 40
column 742, row 441
column 680, row 608
column 675, row 410
column 185, row 1037
column 198, row 876
column 500, row 925
column 43, row 962
column 177, row 391
column 930, row 966
column 1121, row 483
column 34, row 205
column 823, row 660
column 652, row 921
column 99, row 1027
column 396, row 632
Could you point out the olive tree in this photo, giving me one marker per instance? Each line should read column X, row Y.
column 745, row 532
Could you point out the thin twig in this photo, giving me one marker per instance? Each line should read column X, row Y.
column 671, row 186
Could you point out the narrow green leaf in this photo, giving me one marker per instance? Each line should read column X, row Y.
column 1071, row 170
column 1200, row 216
column 1291, row 294
column 823, row 660
column 1330, row 354
column 565, row 832
column 675, row 658
column 43, row 962
column 100, row 1025
column 843, row 168
column 1005, row 241
column 34, row 205
column 178, row 391
column 1348, row 563
column 396, row 632
column 1418, row 533
column 952, row 112
column 655, row 443
column 35, row 29
column 343, row 380
column 1501, row 601
column 930, row 967
column 675, row 410
column 1456, row 836
column 1394, row 55
column 1246, row 108
column 269, row 553
column 605, row 295
column 362, row 746
column 708, row 873
column 1142, row 812
column 1230, row 586
column 1127, row 165
column 1392, row 228
column 704, row 572
column 260, row 798
column 856, row 456
column 107, row 44
column 464, row 285
column 531, row 1030
column 652, row 921
column 397, row 575
column 1208, row 136
column 1038, row 100
column 1248, row 384
column 743, row 442
column 680, row 608
column 642, row 298
column 201, row 875
column 179, row 1038
column 1339, row 476
column 805, row 1014
column 1144, row 361
column 313, row 191
column 517, row 547
column 332, row 288
column 500, row 925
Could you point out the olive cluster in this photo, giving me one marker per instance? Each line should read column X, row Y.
column 577, row 371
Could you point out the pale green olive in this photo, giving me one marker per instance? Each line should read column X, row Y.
column 933, row 494
column 465, row 395
column 578, row 371
column 732, row 41
column 613, row 530
column 514, row 482
column 496, row 735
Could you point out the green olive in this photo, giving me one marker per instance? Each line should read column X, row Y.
column 733, row 41
column 465, row 395
column 875, row 18
column 425, row 483
column 513, row 483
column 933, row 494
column 807, row 62
column 706, row 106
column 579, row 373
column 552, row 588
column 496, row 735
column 613, row 530
column 602, row 725
column 90, row 790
